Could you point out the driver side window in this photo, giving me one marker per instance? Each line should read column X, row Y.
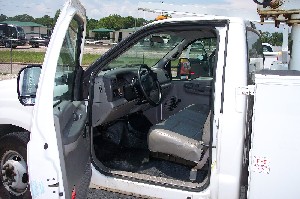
column 66, row 66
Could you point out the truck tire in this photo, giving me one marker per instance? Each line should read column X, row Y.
column 13, row 164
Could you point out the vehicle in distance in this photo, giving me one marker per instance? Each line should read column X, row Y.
column 270, row 56
column 36, row 42
column 11, row 35
column 268, row 49
column 91, row 41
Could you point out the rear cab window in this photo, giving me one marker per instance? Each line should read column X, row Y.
column 196, row 61
column 255, row 52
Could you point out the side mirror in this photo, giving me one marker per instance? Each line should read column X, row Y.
column 28, row 80
column 184, row 68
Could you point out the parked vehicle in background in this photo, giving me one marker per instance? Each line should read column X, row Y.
column 36, row 42
column 267, row 48
column 270, row 55
column 11, row 35
column 92, row 41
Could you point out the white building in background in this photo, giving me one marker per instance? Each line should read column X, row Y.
column 113, row 36
column 119, row 35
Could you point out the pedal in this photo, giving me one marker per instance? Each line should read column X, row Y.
column 193, row 174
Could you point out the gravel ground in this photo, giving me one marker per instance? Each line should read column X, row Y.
column 8, row 71
column 95, row 193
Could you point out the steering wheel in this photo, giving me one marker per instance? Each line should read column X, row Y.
column 148, row 81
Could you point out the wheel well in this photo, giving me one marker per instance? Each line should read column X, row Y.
column 9, row 128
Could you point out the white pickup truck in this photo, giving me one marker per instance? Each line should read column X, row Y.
column 273, row 59
column 270, row 55
column 127, row 124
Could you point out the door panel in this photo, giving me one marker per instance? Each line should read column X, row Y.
column 70, row 120
column 58, row 136
column 185, row 93
column 198, row 87
column 181, row 95
column 70, row 117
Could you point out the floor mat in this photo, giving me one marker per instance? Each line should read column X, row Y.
column 138, row 161
column 129, row 152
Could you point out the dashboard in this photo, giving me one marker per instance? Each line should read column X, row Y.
column 117, row 93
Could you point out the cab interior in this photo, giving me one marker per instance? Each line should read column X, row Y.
column 150, row 122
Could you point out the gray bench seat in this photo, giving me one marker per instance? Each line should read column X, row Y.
column 182, row 134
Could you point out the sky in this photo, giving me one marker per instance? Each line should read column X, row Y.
column 97, row 9
column 101, row 8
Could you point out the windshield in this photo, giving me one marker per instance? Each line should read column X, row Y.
column 20, row 30
column 148, row 50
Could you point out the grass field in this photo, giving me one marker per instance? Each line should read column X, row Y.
column 23, row 57
column 37, row 57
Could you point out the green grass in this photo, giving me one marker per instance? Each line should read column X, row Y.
column 23, row 57
column 89, row 59
column 37, row 57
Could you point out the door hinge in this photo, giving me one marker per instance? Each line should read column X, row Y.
column 246, row 90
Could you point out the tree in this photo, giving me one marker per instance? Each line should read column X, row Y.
column 265, row 37
column 23, row 17
column 112, row 22
column 91, row 24
column 276, row 39
column 46, row 20
column 3, row 17
column 129, row 22
column 117, row 22
column 141, row 22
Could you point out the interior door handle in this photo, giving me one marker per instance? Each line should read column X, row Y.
column 77, row 116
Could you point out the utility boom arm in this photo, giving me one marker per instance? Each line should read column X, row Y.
column 284, row 12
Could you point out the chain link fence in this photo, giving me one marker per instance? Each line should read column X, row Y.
column 8, row 69
column 10, row 62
